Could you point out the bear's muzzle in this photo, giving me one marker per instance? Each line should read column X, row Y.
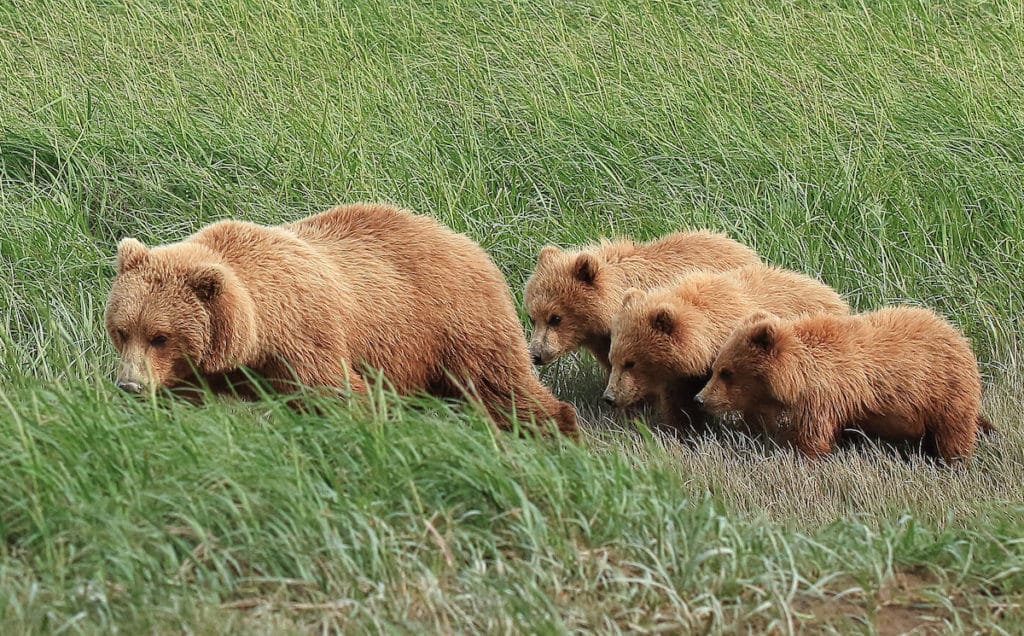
column 128, row 386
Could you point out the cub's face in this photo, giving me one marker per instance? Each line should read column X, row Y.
column 563, row 298
column 156, row 318
column 642, row 350
column 734, row 390
column 747, row 377
column 557, row 330
column 632, row 379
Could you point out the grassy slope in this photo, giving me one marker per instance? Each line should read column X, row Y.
column 880, row 148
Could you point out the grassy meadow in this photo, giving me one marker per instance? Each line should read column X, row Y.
column 879, row 146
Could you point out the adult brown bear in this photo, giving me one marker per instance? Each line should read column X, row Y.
column 317, row 302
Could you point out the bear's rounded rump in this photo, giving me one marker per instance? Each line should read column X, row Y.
column 322, row 299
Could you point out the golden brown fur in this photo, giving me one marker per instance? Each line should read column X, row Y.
column 572, row 294
column 664, row 340
column 320, row 300
column 900, row 373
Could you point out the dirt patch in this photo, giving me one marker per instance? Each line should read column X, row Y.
column 888, row 618
column 827, row 610
column 906, row 603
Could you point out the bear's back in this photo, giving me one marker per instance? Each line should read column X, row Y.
column 908, row 346
column 407, row 240
column 663, row 260
column 430, row 260
column 700, row 249
column 914, row 334
column 414, row 287
column 786, row 293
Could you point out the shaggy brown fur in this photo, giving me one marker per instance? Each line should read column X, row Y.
column 319, row 301
column 572, row 295
column 900, row 373
column 664, row 340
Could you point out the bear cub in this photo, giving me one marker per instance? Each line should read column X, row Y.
column 899, row 373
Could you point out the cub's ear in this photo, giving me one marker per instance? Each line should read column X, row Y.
column 632, row 295
column 130, row 254
column 764, row 335
column 207, row 281
column 547, row 253
column 756, row 317
column 585, row 269
column 662, row 320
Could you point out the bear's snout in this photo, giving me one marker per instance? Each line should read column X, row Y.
column 542, row 347
column 710, row 402
column 609, row 398
column 539, row 355
column 132, row 373
column 706, row 404
column 129, row 386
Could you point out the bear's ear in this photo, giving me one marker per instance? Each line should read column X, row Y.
column 130, row 254
column 207, row 281
column 756, row 317
column 585, row 269
column 547, row 253
column 632, row 295
column 662, row 320
column 764, row 336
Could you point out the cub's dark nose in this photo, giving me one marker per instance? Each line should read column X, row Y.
column 608, row 399
column 699, row 400
column 129, row 386
column 536, row 360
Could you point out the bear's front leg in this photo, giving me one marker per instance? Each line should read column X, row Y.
column 812, row 439
column 352, row 381
column 600, row 347
column 336, row 377
column 680, row 412
column 335, row 383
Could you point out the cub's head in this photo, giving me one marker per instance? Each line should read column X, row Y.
column 757, row 373
column 174, row 309
column 656, row 338
column 565, row 301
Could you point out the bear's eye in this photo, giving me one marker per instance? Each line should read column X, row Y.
column 555, row 320
column 629, row 365
column 725, row 374
column 158, row 341
column 121, row 335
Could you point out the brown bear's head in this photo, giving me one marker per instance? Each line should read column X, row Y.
column 173, row 310
column 565, row 301
column 757, row 374
column 657, row 337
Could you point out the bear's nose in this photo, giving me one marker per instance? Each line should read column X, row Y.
column 609, row 399
column 699, row 399
column 537, row 361
column 129, row 386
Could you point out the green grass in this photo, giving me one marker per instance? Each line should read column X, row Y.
column 879, row 146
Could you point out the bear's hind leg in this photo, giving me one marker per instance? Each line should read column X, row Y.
column 527, row 399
